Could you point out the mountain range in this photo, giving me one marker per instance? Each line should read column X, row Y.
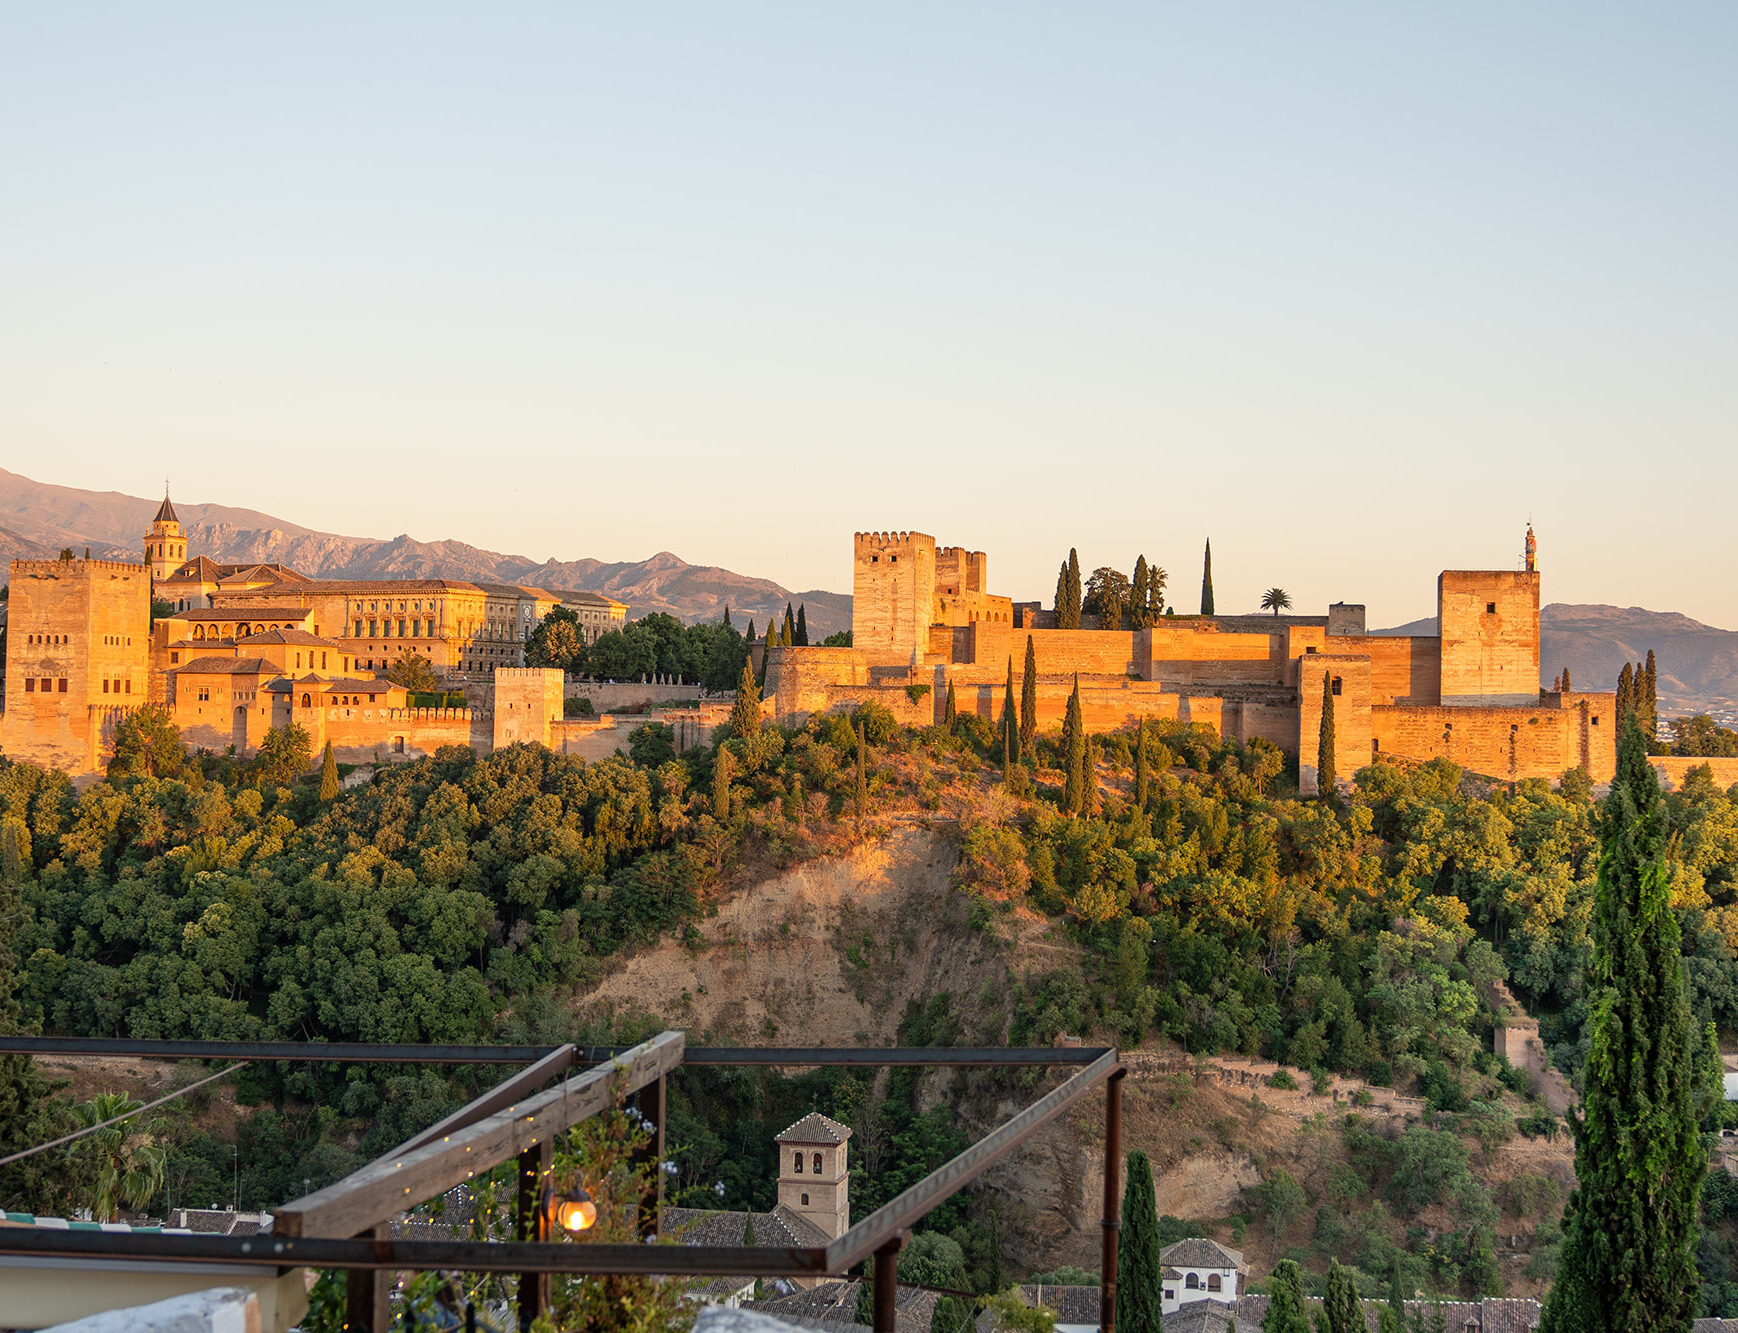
column 37, row 521
column 1698, row 664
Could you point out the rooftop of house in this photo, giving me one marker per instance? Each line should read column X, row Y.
column 817, row 1129
column 228, row 613
column 225, row 666
column 781, row 1228
column 1199, row 1252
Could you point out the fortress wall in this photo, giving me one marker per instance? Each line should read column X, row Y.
column 1402, row 670
column 528, row 702
column 607, row 697
column 1352, row 727
column 1094, row 652
column 798, row 679
column 1489, row 625
column 1502, row 743
column 1201, row 654
column 1256, row 719
column 1672, row 768
column 1595, row 725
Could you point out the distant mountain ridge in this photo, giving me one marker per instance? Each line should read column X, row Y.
column 1698, row 664
column 38, row 520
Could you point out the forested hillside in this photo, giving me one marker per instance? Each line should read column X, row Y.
column 1202, row 904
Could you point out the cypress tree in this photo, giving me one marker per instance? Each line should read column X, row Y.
column 1566, row 685
column 1345, row 1313
column 803, row 625
column 862, row 773
column 1138, row 616
column 723, row 771
column 788, row 635
column 748, row 1236
column 1648, row 700
column 328, row 776
column 1625, row 695
column 1207, row 580
column 745, row 716
column 1143, row 776
column 950, row 715
column 1010, row 719
column 1393, row 1314
column 749, row 637
column 727, row 617
column 1285, row 1310
column 1062, row 596
column 1029, row 699
column 1075, row 590
column 1325, row 776
column 1628, row 1259
column 1074, row 754
column 1092, row 799
column 1138, row 1268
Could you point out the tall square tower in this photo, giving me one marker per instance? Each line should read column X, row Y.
column 893, row 595
column 813, row 1179
column 1489, row 623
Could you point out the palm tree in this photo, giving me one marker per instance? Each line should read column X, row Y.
column 1276, row 600
column 128, row 1160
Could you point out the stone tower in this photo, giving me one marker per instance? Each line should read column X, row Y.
column 813, row 1180
column 893, row 595
column 165, row 543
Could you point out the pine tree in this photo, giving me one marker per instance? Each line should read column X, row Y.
column 1325, row 775
column 1075, row 588
column 1207, row 580
column 1345, row 1313
column 1285, row 1309
column 862, row 773
column 723, row 772
column 950, row 713
column 745, row 716
column 1143, row 774
column 1139, row 617
column 803, row 625
column 1628, row 1258
column 1074, row 755
column 1625, row 696
column 1010, row 719
column 1648, row 698
column 1029, row 699
column 328, row 776
column 1138, row 1268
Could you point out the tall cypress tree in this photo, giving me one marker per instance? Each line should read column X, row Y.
column 748, row 638
column 1062, row 597
column 727, row 617
column 1074, row 754
column 723, row 772
column 1207, row 580
column 1143, row 774
column 1075, row 590
column 1325, row 775
column 1139, row 617
column 745, row 715
column 1648, row 702
column 1345, row 1313
column 1566, row 685
column 328, row 776
column 1138, row 1267
column 1285, row 1309
column 1010, row 718
column 802, row 639
column 1092, row 800
column 1625, row 695
column 1628, row 1257
column 862, row 773
column 1029, row 699
column 950, row 715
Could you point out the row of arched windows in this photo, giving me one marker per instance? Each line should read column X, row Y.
column 817, row 1170
column 1214, row 1282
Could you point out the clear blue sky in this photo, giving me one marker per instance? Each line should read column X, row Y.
column 1355, row 290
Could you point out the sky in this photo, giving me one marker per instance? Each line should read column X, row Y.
column 1354, row 290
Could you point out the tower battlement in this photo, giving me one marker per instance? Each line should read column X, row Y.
column 879, row 541
column 73, row 567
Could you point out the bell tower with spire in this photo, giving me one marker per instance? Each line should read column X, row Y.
column 165, row 543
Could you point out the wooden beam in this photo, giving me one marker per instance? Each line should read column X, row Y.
column 531, row 1225
column 506, row 1093
column 397, row 1182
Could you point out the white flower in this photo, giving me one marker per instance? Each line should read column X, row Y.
column 669, row 1168
column 720, row 1188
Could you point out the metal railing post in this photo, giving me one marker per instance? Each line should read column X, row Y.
column 887, row 1283
column 531, row 1224
column 1112, row 1220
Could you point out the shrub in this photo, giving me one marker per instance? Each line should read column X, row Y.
column 578, row 707
column 1281, row 1078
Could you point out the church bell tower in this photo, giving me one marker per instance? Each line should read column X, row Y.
column 165, row 543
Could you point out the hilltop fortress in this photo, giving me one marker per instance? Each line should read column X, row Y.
column 923, row 619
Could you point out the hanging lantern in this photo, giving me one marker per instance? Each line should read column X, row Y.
column 572, row 1210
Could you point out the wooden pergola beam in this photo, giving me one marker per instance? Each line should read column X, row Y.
column 399, row 1181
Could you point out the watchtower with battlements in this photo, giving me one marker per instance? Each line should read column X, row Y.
column 893, row 591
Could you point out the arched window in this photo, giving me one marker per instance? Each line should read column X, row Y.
column 799, row 1164
column 1214, row 1282
column 1192, row 1282
column 817, row 1164
column 307, row 701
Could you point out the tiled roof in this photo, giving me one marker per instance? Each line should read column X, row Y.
column 165, row 511
column 296, row 636
column 781, row 1228
column 1199, row 1252
column 517, row 590
column 1073, row 1305
column 1201, row 1317
column 268, row 573
column 1495, row 1314
column 375, row 587
column 588, row 599
column 228, row 613
column 836, row 1302
column 225, row 666
column 815, row 1128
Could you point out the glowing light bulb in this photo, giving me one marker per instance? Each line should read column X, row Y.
column 577, row 1214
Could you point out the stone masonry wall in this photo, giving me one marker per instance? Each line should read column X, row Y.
column 1489, row 625
column 1502, row 743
